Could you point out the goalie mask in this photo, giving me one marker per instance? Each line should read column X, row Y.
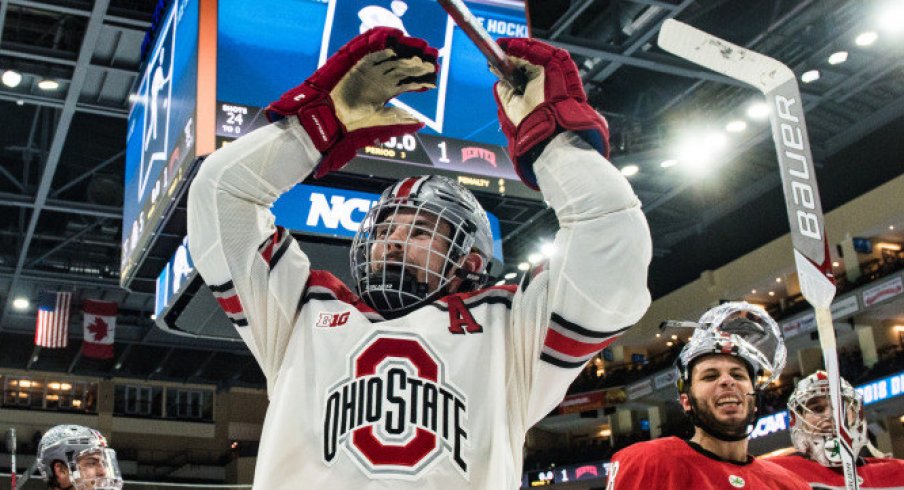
column 737, row 329
column 422, row 234
column 812, row 425
column 92, row 465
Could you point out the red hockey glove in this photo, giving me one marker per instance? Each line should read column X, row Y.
column 342, row 106
column 554, row 100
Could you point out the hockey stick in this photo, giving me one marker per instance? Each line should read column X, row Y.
column 811, row 249
column 481, row 38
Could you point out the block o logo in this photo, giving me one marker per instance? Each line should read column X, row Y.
column 395, row 414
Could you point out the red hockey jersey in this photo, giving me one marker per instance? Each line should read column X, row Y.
column 672, row 463
column 873, row 473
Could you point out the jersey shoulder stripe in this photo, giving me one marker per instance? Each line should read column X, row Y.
column 324, row 286
column 275, row 246
column 492, row 295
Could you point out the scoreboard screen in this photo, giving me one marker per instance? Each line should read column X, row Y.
column 216, row 63
column 161, row 134
column 265, row 48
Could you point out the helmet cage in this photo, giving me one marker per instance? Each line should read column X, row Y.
column 96, row 469
column 443, row 219
column 812, row 431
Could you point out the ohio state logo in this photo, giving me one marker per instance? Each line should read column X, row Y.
column 395, row 414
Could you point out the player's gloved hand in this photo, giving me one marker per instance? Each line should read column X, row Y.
column 342, row 106
column 553, row 101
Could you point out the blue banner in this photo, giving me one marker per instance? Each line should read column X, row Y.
column 338, row 212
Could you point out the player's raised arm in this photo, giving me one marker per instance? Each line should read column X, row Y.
column 256, row 271
column 596, row 283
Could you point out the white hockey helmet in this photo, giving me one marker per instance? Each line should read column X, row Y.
column 812, row 425
column 739, row 329
column 391, row 286
column 82, row 449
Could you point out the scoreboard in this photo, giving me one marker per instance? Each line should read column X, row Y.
column 216, row 63
column 259, row 59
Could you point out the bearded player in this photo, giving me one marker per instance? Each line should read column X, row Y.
column 735, row 352
column 818, row 460
column 423, row 377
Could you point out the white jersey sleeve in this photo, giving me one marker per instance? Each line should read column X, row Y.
column 595, row 286
column 235, row 244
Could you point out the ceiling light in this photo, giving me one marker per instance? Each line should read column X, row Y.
column 670, row 343
column 697, row 151
column 835, row 264
column 674, row 337
column 715, row 140
column 511, row 275
column 548, row 249
column 838, row 57
column 535, row 258
column 778, row 279
column 753, row 291
column 629, row 170
column 153, row 316
column 668, row 163
column 736, row 126
column 895, row 247
column 810, row 76
column 758, row 110
column 771, row 293
column 892, row 16
column 523, row 266
column 48, row 84
column 866, row 38
column 11, row 78
column 21, row 303
column 891, row 227
column 658, row 335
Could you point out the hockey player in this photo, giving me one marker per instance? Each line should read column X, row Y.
column 818, row 460
column 425, row 378
column 736, row 351
column 77, row 457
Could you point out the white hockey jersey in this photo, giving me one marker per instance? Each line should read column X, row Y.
column 440, row 398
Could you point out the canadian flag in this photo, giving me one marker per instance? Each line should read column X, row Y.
column 100, row 326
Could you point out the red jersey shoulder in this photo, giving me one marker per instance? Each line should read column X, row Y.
column 649, row 449
column 778, row 472
column 883, row 472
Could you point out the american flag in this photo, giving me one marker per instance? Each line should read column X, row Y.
column 52, row 326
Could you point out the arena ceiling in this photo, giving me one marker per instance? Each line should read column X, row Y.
column 62, row 151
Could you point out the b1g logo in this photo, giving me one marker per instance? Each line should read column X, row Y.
column 395, row 414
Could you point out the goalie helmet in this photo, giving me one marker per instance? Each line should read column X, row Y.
column 812, row 425
column 739, row 329
column 390, row 283
column 92, row 465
